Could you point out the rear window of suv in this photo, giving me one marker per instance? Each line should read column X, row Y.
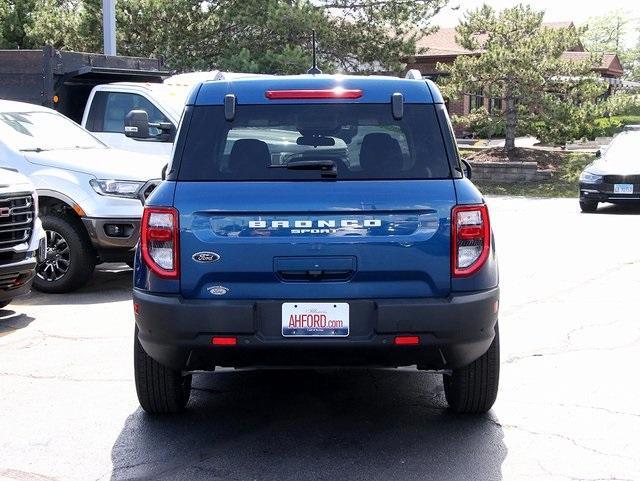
column 284, row 142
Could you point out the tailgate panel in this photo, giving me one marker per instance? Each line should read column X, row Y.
column 316, row 240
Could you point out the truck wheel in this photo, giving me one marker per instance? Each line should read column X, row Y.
column 588, row 206
column 161, row 390
column 70, row 258
column 474, row 388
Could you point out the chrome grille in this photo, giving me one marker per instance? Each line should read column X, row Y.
column 16, row 219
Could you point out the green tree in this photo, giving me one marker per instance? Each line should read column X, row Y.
column 56, row 22
column 520, row 64
column 609, row 34
column 271, row 36
column 16, row 16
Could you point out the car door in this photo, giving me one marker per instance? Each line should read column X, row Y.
column 106, row 121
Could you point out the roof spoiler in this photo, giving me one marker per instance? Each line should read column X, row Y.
column 413, row 74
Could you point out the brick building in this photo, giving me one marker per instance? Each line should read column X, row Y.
column 441, row 47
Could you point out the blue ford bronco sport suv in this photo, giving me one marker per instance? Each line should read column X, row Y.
column 316, row 220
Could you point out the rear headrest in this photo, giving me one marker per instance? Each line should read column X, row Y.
column 249, row 157
column 380, row 155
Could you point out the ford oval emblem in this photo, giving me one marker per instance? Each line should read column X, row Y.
column 205, row 257
column 218, row 290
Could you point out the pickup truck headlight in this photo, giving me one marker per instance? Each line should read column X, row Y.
column 117, row 188
column 589, row 178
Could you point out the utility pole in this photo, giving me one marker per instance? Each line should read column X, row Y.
column 109, row 26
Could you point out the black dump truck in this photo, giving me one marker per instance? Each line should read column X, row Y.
column 63, row 80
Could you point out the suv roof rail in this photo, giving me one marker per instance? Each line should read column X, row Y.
column 413, row 74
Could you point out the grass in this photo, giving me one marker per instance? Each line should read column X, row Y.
column 563, row 183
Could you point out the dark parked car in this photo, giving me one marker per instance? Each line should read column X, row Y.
column 615, row 175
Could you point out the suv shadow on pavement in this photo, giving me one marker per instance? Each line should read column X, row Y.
column 11, row 321
column 110, row 283
column 311, row 424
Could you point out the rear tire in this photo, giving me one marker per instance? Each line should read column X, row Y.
column 70, row 257
column 473, row 389
column 160, row 390
column 588, row 206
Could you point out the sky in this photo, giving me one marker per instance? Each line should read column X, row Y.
column 578, row 11
column 555, row 10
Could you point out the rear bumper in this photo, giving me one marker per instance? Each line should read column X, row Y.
column 453, row 332
column 16, row 278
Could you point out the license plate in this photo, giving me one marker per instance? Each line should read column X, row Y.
column 623, row 188
column 320, row 319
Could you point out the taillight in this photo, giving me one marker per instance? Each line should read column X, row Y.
column 224, row 340
column 335, row 93
column 159, row 241
column 406, row 340
column 470, row 239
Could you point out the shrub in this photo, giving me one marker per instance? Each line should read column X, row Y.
column 604, row 127
column 481, row 123
column 610, row 126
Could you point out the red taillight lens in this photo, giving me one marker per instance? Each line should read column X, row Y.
column 224, row 341
column 159, row 240
column 406, row 340
column 470, row 239
column 336, row 93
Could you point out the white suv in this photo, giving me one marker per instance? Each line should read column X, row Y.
column 91, row 195
column 22, row 240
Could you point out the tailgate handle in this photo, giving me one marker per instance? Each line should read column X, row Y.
column 315, row 268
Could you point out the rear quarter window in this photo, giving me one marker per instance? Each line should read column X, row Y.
column 363, row 141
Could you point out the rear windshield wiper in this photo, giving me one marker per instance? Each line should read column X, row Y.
column 327, row 168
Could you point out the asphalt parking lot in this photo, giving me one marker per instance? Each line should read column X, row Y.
column 568, row 406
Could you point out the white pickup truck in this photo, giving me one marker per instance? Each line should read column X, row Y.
column 108, row 104
column 22, row 240
column 91, row 195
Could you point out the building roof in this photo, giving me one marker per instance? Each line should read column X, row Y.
column 609, row 65
column 443, row 42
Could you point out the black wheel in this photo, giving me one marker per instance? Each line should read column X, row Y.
column 4, row 304
column 70, row 258
column 588, row 205
column 160, row 390
column 473, row 389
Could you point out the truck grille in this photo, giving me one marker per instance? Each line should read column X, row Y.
column 621, row 179
column 14, row 280
column 8, row 280
column 16, row 219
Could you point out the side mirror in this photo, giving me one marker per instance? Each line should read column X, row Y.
column 136, row 124
column 164, row 171
column 598, row 153
column 466, row 168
